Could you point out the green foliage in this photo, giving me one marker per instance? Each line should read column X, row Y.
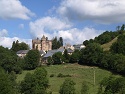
column 50, row 61
column 62, row 75
column 66, row 56
column 119, row 46
column 54, row 43
column 35, row 83
column 16, row 46
column 113, row 62
column 106, row 37
column 74, row 58
column 90, row 55
column 57, row 43
column 57, row 58
column 112, row 85
column 52, row 75
column 61, row 41
column 6, row 85
column 32, row 59
column 8, row 60
column 103, row 38
column 67, row 87
column 121, row 31
column 86, row 42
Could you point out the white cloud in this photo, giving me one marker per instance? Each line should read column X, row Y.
column 102, row 11
column 7, row 41
column 77, row 36
column 21, row 26
column 52, row 27
column 10, row 9
column 3, row 32
column 47, row 26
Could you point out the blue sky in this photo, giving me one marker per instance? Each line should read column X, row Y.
column 74, row 20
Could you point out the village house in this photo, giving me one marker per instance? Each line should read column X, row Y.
column 22, row 53
column 79, row 46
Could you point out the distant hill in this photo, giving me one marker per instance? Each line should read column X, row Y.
column 107, row 46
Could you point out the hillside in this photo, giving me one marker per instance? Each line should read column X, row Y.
column 107, row 46
column 79, row 74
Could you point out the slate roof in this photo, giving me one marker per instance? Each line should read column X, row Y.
column 42, row 52
column 26, row 51
column 50, row 53
column 70, row 50
column 22, row 52
column 61, row 49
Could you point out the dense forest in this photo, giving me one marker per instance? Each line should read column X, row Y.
column 92, row 55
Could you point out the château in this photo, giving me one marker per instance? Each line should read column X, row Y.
column 42, row 44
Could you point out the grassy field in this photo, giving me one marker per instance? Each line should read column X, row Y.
column 79, row 74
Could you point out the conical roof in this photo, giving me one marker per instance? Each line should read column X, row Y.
column 43, row 38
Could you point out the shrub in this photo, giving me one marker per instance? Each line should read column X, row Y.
column 62, row 75
column 52, row 75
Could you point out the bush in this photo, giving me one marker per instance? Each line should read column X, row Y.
column 68, row 87
column 62, row 75
column 52, row 75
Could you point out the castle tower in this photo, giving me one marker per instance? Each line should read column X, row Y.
column 43, row 44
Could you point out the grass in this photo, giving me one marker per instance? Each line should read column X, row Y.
column 107, row 46
column 79, row 74
column 21, row 76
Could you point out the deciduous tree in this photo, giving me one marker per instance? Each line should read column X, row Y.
column 67, row 87
column 35, row 83
column 32, row 59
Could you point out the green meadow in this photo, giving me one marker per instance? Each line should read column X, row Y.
column 79, row 73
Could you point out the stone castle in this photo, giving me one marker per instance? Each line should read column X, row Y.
column 43, row 44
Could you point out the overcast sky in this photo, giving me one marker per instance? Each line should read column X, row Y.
column 74, row 20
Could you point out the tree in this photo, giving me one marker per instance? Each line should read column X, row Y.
column 118, row 28
column 26, row 84
column 57, row 58
column 105, row 37
column 122, row 27
column 24, row 46
column 32, row 59
column 57, row 43
column 49, row 61
column 90, row 55
column 74, row 58
column 16, row 46
column 35, row 83
column 5, row 84
column 67, row 87
column 61, row 41
column 112, row 85
column 8, row 60
column 54, row 43
column 86, row 42
column 66, row 56
column 119, row 46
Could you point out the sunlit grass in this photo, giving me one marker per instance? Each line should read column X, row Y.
column 79, row 74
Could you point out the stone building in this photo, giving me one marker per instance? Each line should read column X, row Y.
column 43, row 44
